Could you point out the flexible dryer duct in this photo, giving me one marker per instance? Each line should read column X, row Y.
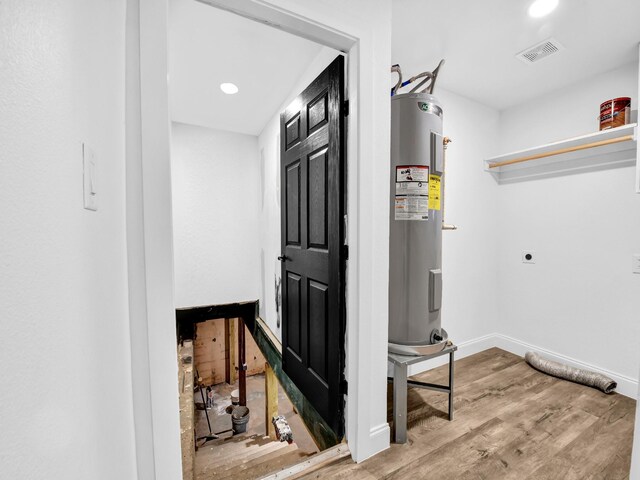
column 585, row 377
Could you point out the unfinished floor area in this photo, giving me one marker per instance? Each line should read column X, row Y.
column 252, row 454
column 211, row 446
column 511, row 422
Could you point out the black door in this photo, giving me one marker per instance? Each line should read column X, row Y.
column 312, row 186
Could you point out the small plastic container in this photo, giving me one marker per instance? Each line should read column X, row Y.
column 615, row 113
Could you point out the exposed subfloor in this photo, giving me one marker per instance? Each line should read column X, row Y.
column 511, row 422
column 252, row 454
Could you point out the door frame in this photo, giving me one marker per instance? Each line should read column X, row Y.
column 149, row 218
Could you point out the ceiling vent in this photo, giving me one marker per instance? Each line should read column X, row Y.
column 539, row 51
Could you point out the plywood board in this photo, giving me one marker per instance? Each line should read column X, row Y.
column 209, row 351
column 211, row 355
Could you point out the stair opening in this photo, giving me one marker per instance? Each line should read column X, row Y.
column 209, row 359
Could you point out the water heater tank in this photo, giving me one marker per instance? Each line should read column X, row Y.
column 415, row 244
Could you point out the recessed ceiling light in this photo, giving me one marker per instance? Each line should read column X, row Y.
column 229, row 88
column 540, row 8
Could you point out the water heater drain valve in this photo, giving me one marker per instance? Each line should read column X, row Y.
column 439, row 335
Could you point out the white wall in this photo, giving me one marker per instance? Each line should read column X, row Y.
column 469, row 254
column 269, row 146
column 66, row 400
column 580, row 299
column 216, row 205
column 469, row 303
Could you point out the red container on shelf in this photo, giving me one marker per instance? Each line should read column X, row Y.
column 615, row 112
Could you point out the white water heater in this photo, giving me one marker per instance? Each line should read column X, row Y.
column 416, row 224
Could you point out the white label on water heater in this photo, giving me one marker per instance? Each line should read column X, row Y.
column 412, row 192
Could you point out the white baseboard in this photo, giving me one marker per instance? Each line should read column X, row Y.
column 627, row 386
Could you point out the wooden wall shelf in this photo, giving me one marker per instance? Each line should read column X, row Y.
column 616, row 146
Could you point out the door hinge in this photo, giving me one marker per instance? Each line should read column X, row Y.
column 344, row 387
column 345, row 108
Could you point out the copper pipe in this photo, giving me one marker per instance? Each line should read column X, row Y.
column 445, row 142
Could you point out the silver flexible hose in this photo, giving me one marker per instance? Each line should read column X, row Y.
column 585, row 377
column 396, row 68
column 429, row 89
column 428, row 76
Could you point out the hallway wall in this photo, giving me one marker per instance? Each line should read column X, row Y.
column 66, row 399
column 216, row 202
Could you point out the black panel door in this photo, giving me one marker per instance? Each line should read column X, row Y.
column 312, row 187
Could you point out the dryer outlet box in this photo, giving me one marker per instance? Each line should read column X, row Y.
column 528, row 256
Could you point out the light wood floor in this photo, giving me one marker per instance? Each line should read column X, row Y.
column 511, row 422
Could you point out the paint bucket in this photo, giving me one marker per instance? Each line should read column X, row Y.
column 235, row 397
column 615, row 113
column 239, row 419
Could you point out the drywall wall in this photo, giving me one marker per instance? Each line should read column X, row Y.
column 215, row 181
column 269, row 147
column 66, row 402
column 469, row 308
column 580, row 298
column 469, row 255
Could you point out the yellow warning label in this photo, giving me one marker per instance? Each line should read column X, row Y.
column 434, row 192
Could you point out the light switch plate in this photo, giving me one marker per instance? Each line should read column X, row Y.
column 89, row 174
column 635, row 268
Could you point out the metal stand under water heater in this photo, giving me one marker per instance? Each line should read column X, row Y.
column 416, row 219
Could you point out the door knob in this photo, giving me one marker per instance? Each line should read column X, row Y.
column 283, row 258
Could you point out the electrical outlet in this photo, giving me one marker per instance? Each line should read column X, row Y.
column 528, row 256
column 635, row 266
